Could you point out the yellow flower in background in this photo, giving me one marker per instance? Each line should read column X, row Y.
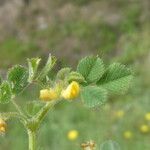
column 72, row 91
column 120, row 113
column 2, row 126
column 48, row 94
column 144, row 128
column 127, row 134
column 147, row 116
column 72, row 135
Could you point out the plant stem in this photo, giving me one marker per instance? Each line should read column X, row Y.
column 18, row 108
column 7, row 115
column 32, row 128
column 32, row 139
column 42, row 113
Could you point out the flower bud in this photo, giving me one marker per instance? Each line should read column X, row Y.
column 2, row 126
column 48, row 94
column 72, row 91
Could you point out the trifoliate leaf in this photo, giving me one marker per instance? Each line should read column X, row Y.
column 18, row 78
column 92, row 68
column 93, row 96
column 75, row 76
column 49, row 65
column 33, row 64
column 110, row 145
column 5, row 92
column 63, row 73
column 116, row 79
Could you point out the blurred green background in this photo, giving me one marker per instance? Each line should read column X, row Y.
column 116, row 30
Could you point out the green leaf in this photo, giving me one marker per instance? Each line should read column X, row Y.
column 63, row 73
column 49, row 65
column 92, row 68
column 18, row 78
column 5, row 92
column 93, row 96
column 75, row 76
column 33, row 107
column 110, row 145
column 33, row 64
column 116, row 79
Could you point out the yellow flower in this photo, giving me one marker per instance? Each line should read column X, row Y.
column 73, row 135
column 144, row 128
column 127, row 134
column 72, row 91
column 48, row 94
column 119, row 113
column 2, row 126
column 147, row 116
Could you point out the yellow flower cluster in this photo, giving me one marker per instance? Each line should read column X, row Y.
column 2, row 126
column 71, row 92
column 73, row 135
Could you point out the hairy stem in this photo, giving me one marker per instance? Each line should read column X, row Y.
column 42, row 113
column 18, row 108
column 34, row 124
column 8, row 115
column 32, row 139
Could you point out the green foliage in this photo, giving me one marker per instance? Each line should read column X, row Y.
column 49, row 65
column 116, row 79
column 93, row 96
column 5, row 92
column 18, row 77
column 110, row 145
column 63, row 73
column 92, row 68
column 33, row 66
column 95, row 82
column 84, row 38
